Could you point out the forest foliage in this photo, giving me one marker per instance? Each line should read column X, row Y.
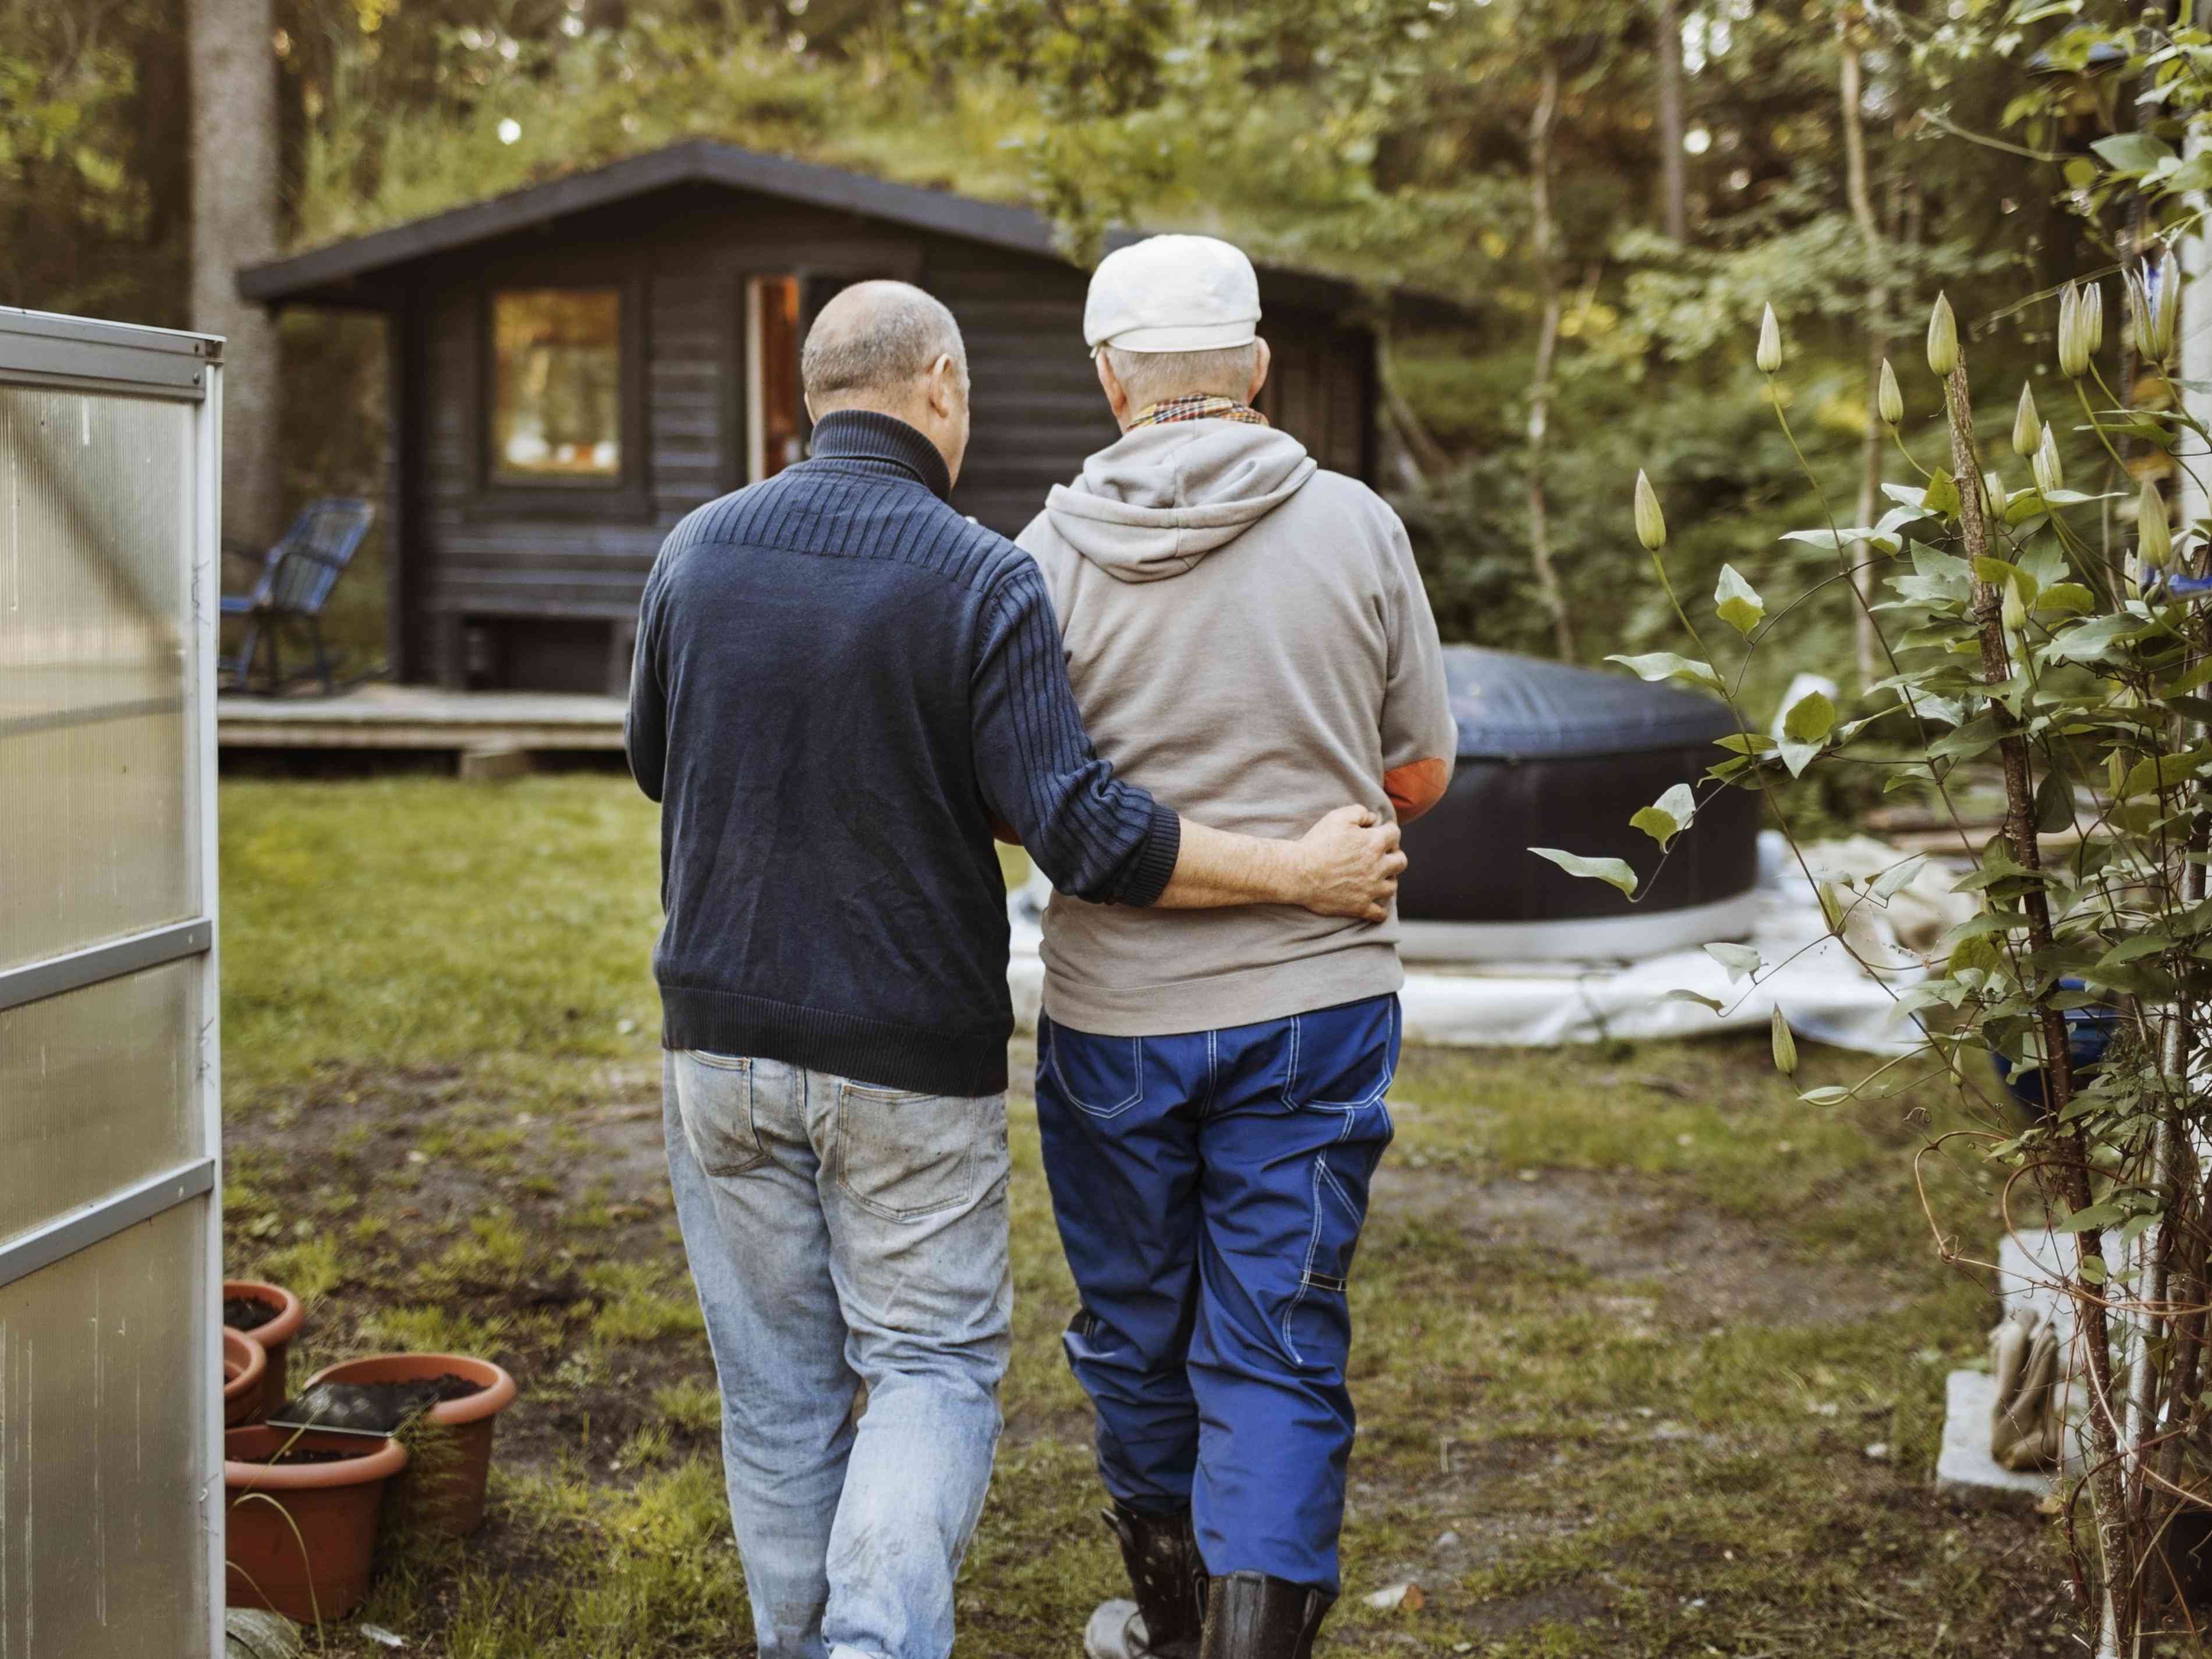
column 1396, row 140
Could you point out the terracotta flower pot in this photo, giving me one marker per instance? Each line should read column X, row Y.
column 245, row 1362
column 275, row 1336
column 446, row 1491
column 299, row 1539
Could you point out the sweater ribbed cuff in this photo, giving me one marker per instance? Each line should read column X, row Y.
column 1154, row 865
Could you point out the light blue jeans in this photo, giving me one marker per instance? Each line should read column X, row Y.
column 843, row 1235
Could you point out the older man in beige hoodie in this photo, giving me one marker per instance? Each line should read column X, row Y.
column 1247, row 635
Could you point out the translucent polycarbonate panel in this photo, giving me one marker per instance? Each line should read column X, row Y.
column 97, row 651
column 103, row 1553
column 97, row 1090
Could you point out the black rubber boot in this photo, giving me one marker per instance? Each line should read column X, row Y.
column 1250, row 1615
column 1168, row 1582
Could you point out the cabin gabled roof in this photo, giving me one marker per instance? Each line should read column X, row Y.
column 322, row 272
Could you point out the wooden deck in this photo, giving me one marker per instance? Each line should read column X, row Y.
column 423, row 717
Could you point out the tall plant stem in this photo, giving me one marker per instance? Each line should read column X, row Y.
column 2107, row 1487
column 1548, row 342
column 1877, row 308
column 1671, row 165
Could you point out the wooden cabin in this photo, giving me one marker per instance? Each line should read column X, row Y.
column 576, row 365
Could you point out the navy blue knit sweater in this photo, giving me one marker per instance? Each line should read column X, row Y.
column 840, row 684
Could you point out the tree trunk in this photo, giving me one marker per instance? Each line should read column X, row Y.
column 2070, row 1172
column 234, row 172
column 1671, row 164
column 1547, row 340
column 1877, row 310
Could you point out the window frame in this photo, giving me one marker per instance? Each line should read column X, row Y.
column 900, row 261
column 628, row 494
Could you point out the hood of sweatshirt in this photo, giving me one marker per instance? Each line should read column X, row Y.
column 1154, row 504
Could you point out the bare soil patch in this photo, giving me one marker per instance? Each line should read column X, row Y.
column 1702, row 1268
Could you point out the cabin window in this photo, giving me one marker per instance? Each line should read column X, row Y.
column 775, row 431
column 556, row 387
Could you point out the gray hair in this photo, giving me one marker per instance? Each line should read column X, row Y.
column 1153, row 377
column 874, row 338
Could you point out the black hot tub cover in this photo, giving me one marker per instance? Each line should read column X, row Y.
column 1525, row 708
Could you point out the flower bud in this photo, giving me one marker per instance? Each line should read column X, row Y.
column 1889, row 401
column 2073, row 344
column 2092, row 317
column 2050, row 477
column 2153, row 535
column 2027, row 424
column 1942, row 337
column 2131, row 571
column 2015, row 607
column 1770, row 343
column 2115, row 769
column 2154, row 296
column 1650, row 522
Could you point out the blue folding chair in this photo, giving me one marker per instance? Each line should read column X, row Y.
column 296, row 579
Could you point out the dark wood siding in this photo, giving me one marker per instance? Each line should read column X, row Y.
column 1320, row 389
column 1036, row 410
column 517, row 593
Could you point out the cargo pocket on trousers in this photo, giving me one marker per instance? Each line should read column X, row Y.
column 904, row 1156
column 1318, row 1321
column 714, row 1103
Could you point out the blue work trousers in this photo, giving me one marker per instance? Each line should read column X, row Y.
column 1210, row 1188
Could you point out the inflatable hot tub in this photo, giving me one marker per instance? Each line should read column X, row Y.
column 1552, row 755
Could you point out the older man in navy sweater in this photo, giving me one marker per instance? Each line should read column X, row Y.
column 842, row 688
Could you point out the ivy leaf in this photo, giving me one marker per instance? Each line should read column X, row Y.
column 1740, row 960
column 2068, row 597
column 1941, row 496
column 1737, row 603
column 1804, row 729
column 1810, row 719
column 1713, row 1003
column 2092, row 640
column 2159, row 772
column 1614, row 872
column 1832, row 906
column 1845, row 536
column 1831, row 1096
column 1998, row 572
column 1669, row 816
column 1666, row 665
column 2054, row 802
column 1895, row 879
column 2095, row 1215
column 2132, row 153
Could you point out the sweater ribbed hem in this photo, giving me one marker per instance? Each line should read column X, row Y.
column 1156, row 859
column 846, row 1045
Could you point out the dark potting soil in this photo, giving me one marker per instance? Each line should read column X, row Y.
column 372, row 1407
column 243, row 1313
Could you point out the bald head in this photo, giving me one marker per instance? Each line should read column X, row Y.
column 890, row 348
column 873, row 343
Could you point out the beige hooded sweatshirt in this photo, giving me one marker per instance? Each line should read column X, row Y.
column 1248, row 639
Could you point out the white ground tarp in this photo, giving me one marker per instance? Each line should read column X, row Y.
column 1823, row 990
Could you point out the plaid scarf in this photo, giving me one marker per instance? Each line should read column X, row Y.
column 1198, row 408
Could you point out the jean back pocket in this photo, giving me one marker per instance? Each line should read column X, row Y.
column 714, row 1103
column 903, row 1155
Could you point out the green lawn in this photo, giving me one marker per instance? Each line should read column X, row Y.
column 1629, row 1318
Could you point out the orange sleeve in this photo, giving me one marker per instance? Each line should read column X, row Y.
column 1415, row 787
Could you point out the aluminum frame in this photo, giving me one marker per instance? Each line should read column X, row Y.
column 41, row 349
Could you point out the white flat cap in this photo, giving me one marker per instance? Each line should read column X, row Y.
column 1172, row 293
